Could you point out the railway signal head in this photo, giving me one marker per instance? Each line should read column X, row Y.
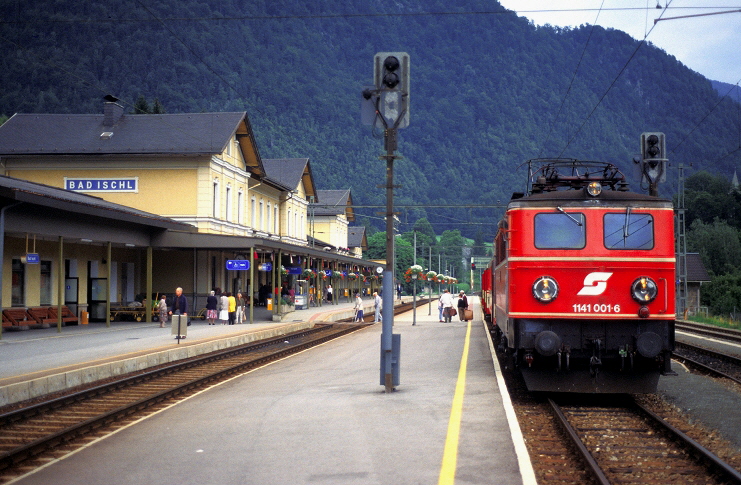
column 653, row 158
column 653, row 146
column 391, row 78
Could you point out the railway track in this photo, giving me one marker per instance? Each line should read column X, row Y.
column 708, row 360
column 627, row 443
column 556, row 461
column 607, row 444
column 709, row 330
column 34, row 435
column 712, row 362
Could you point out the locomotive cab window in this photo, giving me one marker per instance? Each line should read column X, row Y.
column 560, row 230
column 626, row 230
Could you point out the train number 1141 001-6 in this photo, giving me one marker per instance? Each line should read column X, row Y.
column 596, row 308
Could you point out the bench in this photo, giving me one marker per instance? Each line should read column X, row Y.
column 41, row 315
column 67, row 315
column 18, row 317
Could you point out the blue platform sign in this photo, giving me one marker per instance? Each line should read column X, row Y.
column 294, row 270
column 32, row 258
column 265, row 267
column 121, row 184
column 237, row 264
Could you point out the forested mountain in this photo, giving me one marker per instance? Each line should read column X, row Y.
column 488, row 89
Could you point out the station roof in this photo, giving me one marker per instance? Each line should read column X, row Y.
column 334, row 202
column 356, row 237
column 116, row 133
column 696, row 271
column 289, row 172
column 14, row 190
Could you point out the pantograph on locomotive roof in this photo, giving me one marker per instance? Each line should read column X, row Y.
column 548, row 174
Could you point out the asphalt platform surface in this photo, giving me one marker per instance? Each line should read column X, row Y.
column 320, row 416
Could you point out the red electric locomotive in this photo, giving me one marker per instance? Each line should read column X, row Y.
column 581, row 283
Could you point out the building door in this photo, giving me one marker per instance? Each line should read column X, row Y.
column 71, row 298
column 97, row 299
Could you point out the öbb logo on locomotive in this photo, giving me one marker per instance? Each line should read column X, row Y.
column 595, row 283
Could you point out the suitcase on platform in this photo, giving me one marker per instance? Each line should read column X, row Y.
column 467, row 314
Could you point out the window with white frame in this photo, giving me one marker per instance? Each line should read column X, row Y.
column 253, row 216
column 228, row 203
column 240, row 206
column 276, row 219
column 267, row 222
column 262, row 215
column 215, row 201
column 288, row 223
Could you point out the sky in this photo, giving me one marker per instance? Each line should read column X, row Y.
column 708, row 44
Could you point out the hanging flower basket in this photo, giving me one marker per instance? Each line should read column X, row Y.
column 283, row 270
column 352, row 276
column 431, row 275
column 308, row 273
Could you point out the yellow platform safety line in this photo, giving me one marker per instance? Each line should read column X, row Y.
column 450, row 455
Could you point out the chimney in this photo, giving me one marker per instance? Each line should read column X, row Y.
column 112, row 113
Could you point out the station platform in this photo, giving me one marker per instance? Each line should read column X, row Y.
column 42, row 361
column 321, row 416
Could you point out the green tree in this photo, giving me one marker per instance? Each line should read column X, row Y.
column 718, row 244
column 723, row 294
column 141, row 107
column 709, row 196
column 157, row 107
column 479, row 244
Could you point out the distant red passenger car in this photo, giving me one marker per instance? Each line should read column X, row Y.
column 581, row 285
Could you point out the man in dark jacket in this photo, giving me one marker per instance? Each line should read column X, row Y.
column 179, row 303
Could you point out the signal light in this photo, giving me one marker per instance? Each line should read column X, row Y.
column 653, row 145
column 391, row 79
column 390, row 72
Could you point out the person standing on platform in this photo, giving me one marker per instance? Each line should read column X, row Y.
column 440, row 308
column 162, row 310
column 224, row 309
column 377, row 304
column 398, row 291
column 179, row 303
column 329, row 293
column 447, row 301
column 240, row 308
column 232, row 303
column 462, row 305
column 358, row 308
column 212, row 304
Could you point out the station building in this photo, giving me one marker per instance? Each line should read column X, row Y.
column 218, row 206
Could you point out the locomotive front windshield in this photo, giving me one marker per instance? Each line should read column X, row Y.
column 629, row 231
column 560, row 231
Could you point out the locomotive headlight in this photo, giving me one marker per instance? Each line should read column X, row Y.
column 545, row 289
column 644, row 290
column 594, row 189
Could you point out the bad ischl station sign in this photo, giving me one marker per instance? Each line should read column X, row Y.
column 118, row 184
